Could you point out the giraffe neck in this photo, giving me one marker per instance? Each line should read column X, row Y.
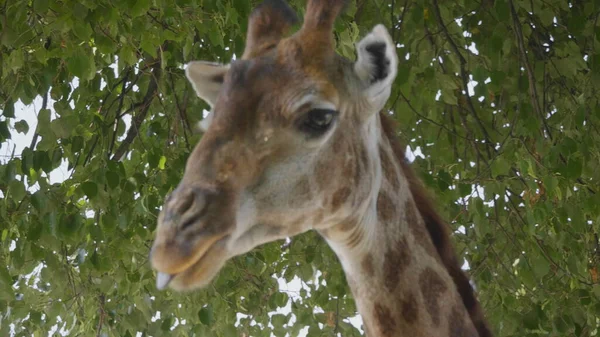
column 399, row 281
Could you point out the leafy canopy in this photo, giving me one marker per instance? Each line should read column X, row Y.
column 500, row 97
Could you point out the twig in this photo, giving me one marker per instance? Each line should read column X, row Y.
column 463, row 74
column 71, row 280
column 530, row 75
column 117, row 114
column 400, row 93
column 392, row 23
column 36, row 135
column 141, row 116
column 337, row 316
column 164, row 25
column 401, row 19
column 101, row 299
column 182, row 112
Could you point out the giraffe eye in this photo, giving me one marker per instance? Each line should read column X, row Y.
column 317, row 121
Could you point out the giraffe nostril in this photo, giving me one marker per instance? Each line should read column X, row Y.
column 196, row 209
column 186, row 206
column 183, row 202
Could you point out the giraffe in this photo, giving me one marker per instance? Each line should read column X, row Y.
column 297, row 139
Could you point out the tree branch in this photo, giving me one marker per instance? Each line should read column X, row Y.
column 36, row 135
column 118, row 112
column 464, row 77
column 530, row 76
column 141, row 116
column 182, row 112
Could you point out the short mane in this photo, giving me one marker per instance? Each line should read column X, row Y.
column 438, row 230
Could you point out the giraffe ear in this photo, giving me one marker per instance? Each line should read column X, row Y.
column 207, row 79
column 377, row 65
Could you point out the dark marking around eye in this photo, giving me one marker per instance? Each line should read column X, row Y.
column 317, row 121
column 382, row 63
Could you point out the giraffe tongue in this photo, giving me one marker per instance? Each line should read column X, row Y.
column 162, row 280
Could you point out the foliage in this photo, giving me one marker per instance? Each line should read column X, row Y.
column 522, row 147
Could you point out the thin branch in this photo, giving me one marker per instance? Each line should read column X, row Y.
column 181, row 111
column 401, row 19
column 119, row 107
column 101, row 299
column 141, row 116
column 164, row 25
column 464, row 77
column 530, row 76
column 392, row 24
column 430, row 120
column 337, row 316
column 36, row 135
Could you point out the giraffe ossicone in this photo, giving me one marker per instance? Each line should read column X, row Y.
column 297, row 139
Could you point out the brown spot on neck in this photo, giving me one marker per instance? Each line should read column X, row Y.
column 417, row 228
column 367, row 265
column 385, row 320
column 396, row 261
column 432, row 288
column 385, row 208
column 389, row 168
column 339, row 198
column 409, row 308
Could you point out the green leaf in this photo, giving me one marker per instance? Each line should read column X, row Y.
column 206, row 315
column 500, row 167
column 113, row 179
column 40, row 202
column 573, row 169
column 464, row 189
column 162, row 162
column 40, row 6
column 140, row 7
column 90, row 189
column 541, row 266
column 9, row 109
column 22, row 127
column 4, row 132
column 216, row 37
column 448, row 97
column 17, row 190
column 444, row 180
column 10, row 171
column 70, row 224
column 6, row 282
column 446, row 82
column 166, row 324
column 128, row 55
column 83, row 31
column 35, row 231
column 149, row 46
column 80, row 64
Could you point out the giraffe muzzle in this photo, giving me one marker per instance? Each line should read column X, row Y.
column 184, row 207
column 194, row 223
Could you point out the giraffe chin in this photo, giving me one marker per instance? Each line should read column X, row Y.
column 200, row 273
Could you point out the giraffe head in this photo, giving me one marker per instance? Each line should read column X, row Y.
column 285, row 147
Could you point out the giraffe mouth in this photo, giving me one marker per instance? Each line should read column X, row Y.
column 163, row 280
column 202, row 268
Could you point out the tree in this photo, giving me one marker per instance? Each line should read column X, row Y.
column 499, row 96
